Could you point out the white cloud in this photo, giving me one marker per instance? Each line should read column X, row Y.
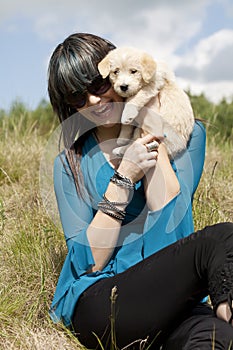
column 214, row 91
column 163, row 30
column 208, row 67
column 166, row 29
column 210, row 60
column 157, row 22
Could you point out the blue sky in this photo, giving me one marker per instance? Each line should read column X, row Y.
column 194, row 37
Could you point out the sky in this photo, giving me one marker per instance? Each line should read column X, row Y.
column 194, row 37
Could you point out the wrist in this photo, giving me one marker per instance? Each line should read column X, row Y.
column 124, row 171
column 122, row 180
column 162, row 149
column 116, row 193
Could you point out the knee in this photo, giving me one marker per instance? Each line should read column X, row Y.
column 221, row 227
column 210, row 333
column 202, row 332
column 222, row 232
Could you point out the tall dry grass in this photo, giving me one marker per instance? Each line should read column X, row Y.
column 32, row 248
column 213, row 200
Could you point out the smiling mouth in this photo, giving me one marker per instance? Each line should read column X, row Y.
column 102, row 110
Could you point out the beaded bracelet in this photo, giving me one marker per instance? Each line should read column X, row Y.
column 103, row 205
column 113, row 215
column 122, row 180
column 109, row 208
column 114, row 203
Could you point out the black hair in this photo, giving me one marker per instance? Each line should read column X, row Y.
column 72, row 66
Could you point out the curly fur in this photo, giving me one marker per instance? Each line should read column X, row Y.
column 137, row 77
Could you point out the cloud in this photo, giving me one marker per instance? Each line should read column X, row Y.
column 207, row 68
column 156, row 23
column 214, row 91
column 211, row 59
column 178, row 31
column 220, row 68
column 160, row 27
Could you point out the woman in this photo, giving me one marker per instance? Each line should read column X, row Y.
column 125, row 274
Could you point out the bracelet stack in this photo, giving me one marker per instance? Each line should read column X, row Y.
column 122, row 180
column 112, row 208
column 109, row 208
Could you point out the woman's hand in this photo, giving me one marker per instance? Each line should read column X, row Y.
column 137, row 160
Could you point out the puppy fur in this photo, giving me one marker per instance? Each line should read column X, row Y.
column 138, row 78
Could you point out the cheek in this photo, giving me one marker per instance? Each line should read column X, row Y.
column 112, row 94
column 137, row 78
column 135, row 83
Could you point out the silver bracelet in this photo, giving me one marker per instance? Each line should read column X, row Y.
column 113, row 215
column 109, row 208
column 103, row 205
column 122, row 180
column 114, row 203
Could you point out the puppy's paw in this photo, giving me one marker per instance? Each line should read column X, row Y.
column 130, row 112
column 122, row 141
column 119, row 151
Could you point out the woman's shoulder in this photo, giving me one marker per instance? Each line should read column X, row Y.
column 60, row 159
column 199, row 126
column 61, row 164
column 199, row 131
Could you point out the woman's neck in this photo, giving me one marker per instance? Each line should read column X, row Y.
column 106, row 133
column 107, row 140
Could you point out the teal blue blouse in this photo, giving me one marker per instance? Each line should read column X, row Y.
column 142, row 233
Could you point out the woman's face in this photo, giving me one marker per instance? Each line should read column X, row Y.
column 105, row 109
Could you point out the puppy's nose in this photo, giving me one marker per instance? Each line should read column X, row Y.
column 124, row 87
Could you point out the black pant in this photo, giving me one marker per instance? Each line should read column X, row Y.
column 157, row 298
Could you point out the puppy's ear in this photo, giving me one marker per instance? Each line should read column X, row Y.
column 104, row 67
column 148, row 67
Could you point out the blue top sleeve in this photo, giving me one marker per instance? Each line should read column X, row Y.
column 189, row 164
column 159, row 229
column 75, row 212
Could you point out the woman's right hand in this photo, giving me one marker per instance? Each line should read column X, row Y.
column 137, row 160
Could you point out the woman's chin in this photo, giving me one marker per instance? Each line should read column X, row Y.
column 107, row 114
column 109, row 125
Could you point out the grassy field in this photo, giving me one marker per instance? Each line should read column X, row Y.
column 32, row 248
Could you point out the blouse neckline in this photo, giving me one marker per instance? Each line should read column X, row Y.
column 95, row 141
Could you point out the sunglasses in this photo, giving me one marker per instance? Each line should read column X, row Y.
column 98, row 87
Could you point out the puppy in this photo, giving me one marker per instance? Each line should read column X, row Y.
column 138, row 78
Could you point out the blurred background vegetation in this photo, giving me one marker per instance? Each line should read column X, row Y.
column 218, row 117
column 32, row 248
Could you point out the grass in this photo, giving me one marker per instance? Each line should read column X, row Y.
column 213, row 200
column 32, row 248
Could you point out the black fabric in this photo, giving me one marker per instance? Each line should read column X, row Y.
column 158, row 295
column 202, row 330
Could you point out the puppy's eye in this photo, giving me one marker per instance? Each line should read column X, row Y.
column 133, row 71
column 116, row 71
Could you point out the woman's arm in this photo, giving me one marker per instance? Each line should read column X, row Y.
column 97, row 234
column 103, row 231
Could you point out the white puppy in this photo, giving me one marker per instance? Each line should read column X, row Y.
column 137, row 77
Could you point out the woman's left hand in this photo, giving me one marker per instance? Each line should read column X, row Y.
column 138, row 158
